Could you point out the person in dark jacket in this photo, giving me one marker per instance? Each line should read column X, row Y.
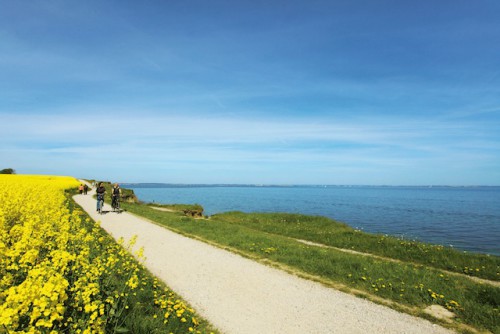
column 115, row 197
column 100, row 191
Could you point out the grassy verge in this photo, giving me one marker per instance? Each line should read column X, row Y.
column 331, row 233
column 180, row 207
column 410, row 284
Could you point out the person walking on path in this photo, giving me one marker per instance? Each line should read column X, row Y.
column 80, row 189
column 85, row 189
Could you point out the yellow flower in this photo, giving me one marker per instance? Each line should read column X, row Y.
column 57, row 262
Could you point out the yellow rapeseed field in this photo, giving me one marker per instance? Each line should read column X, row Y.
column 60, row 273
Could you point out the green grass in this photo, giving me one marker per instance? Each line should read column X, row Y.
column 180, row 207
column 331, row 233
column 416, row 280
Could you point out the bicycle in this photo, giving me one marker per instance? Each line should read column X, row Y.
column 115, row 203
column 100, row 203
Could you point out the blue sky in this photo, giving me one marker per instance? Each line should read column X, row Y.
column 267, row 92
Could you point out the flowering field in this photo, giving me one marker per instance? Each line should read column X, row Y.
column 59, row 272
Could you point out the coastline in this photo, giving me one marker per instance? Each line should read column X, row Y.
column 450, row 217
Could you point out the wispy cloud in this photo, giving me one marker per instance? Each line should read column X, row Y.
column 261, row 139
column 92, row 127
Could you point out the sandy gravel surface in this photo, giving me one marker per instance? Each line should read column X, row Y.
column 238, row 295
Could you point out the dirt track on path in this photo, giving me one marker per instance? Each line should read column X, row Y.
column 238, row 295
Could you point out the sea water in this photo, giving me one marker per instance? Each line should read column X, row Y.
column 467, row 218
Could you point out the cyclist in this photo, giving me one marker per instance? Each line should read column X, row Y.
column 116, row 193
column 100, row 191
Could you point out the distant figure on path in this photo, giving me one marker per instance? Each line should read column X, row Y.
column 85, row 189
column 80, row 188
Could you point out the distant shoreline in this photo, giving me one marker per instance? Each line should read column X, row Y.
column 202, row 185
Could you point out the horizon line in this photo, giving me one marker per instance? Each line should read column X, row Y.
column 297, row 185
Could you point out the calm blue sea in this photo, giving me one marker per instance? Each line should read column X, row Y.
column 466, row 218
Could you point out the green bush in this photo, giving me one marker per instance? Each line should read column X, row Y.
column 7, row 171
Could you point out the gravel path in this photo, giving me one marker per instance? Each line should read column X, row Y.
column 238, row 295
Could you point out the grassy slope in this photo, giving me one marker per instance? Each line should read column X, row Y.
column 411, row 284
column 328, row 232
